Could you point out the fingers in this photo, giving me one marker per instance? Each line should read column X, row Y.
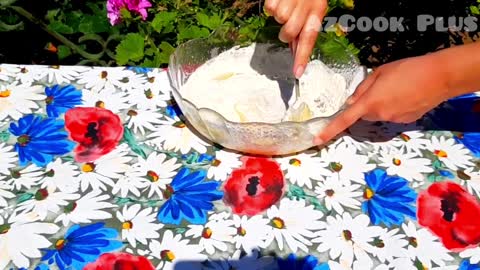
column 363, row 87
column 306, row 43
column 270, row 6
column 284, row 10
column 341, row 122
column 292, row 28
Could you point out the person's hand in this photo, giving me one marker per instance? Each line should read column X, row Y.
column 302, row 20
column 400, row 92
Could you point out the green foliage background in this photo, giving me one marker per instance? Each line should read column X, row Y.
column 82, row 31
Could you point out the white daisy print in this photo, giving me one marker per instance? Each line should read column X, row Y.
column 7, row 71
column 26, row 75
column 18, row 99
column 22, row 239
column 45, row 201
column 471, row 180
column 347, row 238
column 107, row 99
column 149, row 98
column 450, row 153
column 27, row 177
column 5, row 194
column 158, row 79
column 8, row 158
column 411, row 141
column 58, row 74
column 91, row 206
column 130, row 81
column 141, row 120
column 390, row 244
column 103, row 171
column 251, row 232
column 174, row 135
column 472, row 253
column 158, row 172
column 425, row 247
column 172, row 249
column 138, row 224
column 132, row 182
column 344, row 160
column 97, row 78
column 406, row 165
column 303, row 168
column 223, row 165
column 338, row 195
column 214, row 235
column 62, row 176
column 294, row 223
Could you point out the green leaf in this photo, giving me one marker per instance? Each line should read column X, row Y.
column 131, row 48
column 150, row 51
column 180, row 230
column 431, row 178
column 437, row 164
column 163, row 20
column 192, row 32
column 167, row 50
column 91, row 24
column 4, row 136
column 210, row 22
column 125, row 14
column 318, row 206
column 295, row 192
column 25, row 197
column 51, row 14
column 474, row 10
column 63, row 52
column 60, row 27
column 129, row 138
column 7, row 2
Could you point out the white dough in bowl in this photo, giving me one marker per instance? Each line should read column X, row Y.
column 256, row 84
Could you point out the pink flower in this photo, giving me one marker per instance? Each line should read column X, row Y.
column 115, row 6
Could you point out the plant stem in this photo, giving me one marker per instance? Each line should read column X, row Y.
column 29, row 16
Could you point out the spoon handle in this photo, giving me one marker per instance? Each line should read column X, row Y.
column 293, row 48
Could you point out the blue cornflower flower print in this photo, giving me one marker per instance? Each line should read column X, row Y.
column 61, row 99
column 446, row 173
column 466, row 265
column 173, row 111
column 189, row 197
column 40, row 139
column 471, row 140
column 388, row 198
column 82, row 245
column 139, row 69
column 294, row 263
column 38, row 267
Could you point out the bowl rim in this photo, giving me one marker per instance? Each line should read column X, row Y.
column 360, row 67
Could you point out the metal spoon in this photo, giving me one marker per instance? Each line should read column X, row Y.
column 293, row 49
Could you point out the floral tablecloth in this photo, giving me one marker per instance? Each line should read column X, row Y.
column 99, row 171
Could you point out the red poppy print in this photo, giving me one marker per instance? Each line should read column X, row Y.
column 96, row 130
column 125, row 261
column 254, row 187
column 451, row 213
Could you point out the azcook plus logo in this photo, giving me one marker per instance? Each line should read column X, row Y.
column 424, row 23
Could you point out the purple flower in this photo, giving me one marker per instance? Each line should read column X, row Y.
column 114, row 8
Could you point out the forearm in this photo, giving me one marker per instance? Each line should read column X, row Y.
column 461, row 67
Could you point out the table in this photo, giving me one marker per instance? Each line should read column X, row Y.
column 98, row 171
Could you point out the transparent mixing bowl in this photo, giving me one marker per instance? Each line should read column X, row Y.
column 256, row 137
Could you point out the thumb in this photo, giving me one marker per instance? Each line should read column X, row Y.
column 343, row 121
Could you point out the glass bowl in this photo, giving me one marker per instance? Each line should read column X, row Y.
column 256, row 138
